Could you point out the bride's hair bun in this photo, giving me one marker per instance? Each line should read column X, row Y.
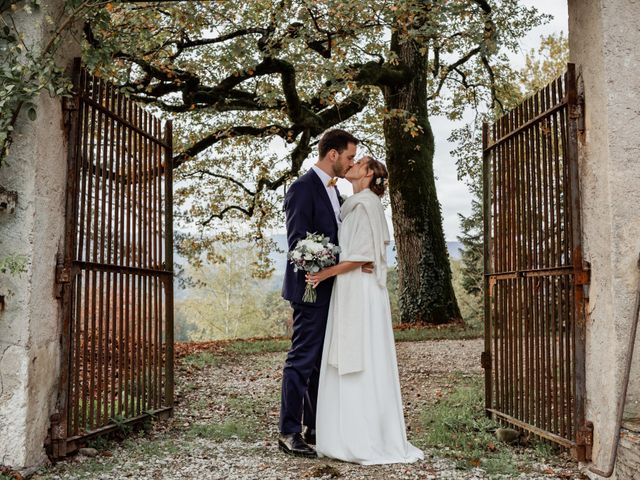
column 380, row 178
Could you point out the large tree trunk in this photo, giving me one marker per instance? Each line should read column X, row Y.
column 424, row 273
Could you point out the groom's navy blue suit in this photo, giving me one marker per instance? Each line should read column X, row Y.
column 308, row 210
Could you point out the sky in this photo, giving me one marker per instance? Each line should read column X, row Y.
column 452, row 193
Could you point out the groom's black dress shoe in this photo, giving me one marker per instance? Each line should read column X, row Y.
column 293, row 444
column 309, row 435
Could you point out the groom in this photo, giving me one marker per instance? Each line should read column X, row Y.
column 312, row 205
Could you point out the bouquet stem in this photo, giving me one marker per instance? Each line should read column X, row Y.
column 310, row 294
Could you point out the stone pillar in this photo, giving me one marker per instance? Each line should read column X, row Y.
column 603, row 40
column 29, row 318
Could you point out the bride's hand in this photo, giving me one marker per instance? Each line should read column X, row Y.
column 315, row 278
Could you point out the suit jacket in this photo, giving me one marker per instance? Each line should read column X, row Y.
column 308, row 210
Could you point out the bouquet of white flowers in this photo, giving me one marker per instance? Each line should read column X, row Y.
column 312, row 254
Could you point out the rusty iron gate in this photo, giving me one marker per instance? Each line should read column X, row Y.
column 535, row 280
column 115, row 277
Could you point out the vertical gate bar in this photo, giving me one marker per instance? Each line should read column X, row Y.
column 551, row 337
column 154, row 257
column 140, row 239
column 517, row 259
column 521, row 266
column 161, row 260
column 508, row 386
column 529, row 291
column 128, row 390
column 513, row 265
column 147, row 286
column 83, row 109
column 106, row 228
column 486, row 225
column 513, row 295
column 115, row 207
column 529, row 294
column 562, row 261
column 154, row 262
column 542, row 291
column 58, row 444
column 118, row 291
column 504, row 232
column 95, row 164
column 137, row 256
column 85, row 233
column 567, row 258
column 169, row 261
column 494, row 268
column 143, row 250
column 557, row 339
column 549, row 255
column 540, row 414
column 111, row 367
column 496, row 252
column 157, row 161
column 576, row 229
column 132, row 256
column 122, row 183
column 553, row 225
column 501, row 259
column 97, row 361
column 151, row 278
column 524, row 337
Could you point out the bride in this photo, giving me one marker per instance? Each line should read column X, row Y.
column 359, row 410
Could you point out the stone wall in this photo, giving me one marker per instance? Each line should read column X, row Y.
column 603, row 39
column 628, row 464
column 29, row 322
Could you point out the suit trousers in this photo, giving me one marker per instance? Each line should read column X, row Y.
column 302, row 367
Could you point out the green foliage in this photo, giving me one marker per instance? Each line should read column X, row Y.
column 458, row 427
column 201, row 360
column 27, row 70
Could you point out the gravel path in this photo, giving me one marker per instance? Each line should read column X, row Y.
column 225, row 425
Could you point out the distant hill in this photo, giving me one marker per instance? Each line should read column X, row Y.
column 280, row 259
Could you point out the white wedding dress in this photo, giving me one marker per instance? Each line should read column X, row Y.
column 359, row 412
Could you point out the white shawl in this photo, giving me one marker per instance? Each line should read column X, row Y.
column 363, row 237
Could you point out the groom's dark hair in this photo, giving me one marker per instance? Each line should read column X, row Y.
column 337, row 140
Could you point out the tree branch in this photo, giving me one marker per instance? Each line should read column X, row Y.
column 204, row 171
column 224, row 134
column 381, row 75
column 451, row 68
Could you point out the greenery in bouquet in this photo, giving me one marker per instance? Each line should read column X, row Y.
column 312, row 254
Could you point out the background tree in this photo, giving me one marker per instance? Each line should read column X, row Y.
column 542, row 65
column 241, row 77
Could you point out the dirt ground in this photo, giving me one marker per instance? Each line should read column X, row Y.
column 225, row 425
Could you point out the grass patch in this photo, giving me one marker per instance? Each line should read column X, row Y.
column 457, row 427
column 420, row 334
column 243, row 429
column 201, row 360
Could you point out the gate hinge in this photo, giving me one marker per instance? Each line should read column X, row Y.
column 63, row 274
column 584, row 439
column 582, row 277
column 485, row 360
